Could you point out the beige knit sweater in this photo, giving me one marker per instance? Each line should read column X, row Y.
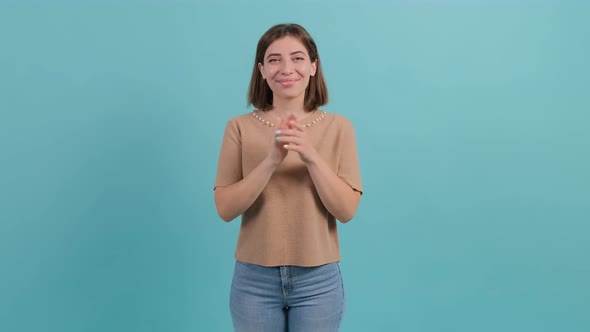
column 288, row 224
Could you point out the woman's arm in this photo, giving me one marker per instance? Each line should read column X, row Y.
column 231, row 201
column 234, row 199
column 339, row 198
column 336, row 195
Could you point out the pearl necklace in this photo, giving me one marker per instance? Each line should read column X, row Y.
column 270, row 124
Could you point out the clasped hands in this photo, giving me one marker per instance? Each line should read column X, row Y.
column 291, row 135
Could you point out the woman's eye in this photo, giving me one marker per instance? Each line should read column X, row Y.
column 299, row 58
column 273, row 60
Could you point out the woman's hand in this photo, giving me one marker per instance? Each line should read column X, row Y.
column 277, row 152
column 292, row 136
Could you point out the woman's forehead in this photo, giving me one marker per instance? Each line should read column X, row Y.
column 286, row 45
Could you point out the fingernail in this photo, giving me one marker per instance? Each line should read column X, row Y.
column 278, row 131
column 278, row 138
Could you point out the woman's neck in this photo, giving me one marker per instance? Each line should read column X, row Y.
column 283, row 107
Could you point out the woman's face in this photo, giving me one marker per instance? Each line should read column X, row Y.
column 287, row 68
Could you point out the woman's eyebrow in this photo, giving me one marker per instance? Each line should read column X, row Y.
column 273, row 54
column 279, row 54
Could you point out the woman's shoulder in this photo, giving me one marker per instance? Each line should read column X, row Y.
column 339, row 119
column 241, row 119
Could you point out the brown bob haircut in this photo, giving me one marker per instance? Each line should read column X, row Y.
column 260, row 94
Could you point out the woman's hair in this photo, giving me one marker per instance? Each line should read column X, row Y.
column 260, row 94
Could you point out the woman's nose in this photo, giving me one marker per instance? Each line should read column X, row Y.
column 287, row 67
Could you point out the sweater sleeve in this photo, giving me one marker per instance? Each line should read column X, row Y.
column 229, row 165
column 348, row 166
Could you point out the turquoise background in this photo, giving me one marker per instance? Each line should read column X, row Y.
column 473, row 131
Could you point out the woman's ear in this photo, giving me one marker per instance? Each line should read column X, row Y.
column 314, row 67
column 260, row 69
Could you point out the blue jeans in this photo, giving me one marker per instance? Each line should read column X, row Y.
column 286, row 298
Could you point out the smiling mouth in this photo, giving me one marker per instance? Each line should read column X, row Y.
column 287, row 83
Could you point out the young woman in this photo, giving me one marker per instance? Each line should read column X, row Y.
column 290, row 170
